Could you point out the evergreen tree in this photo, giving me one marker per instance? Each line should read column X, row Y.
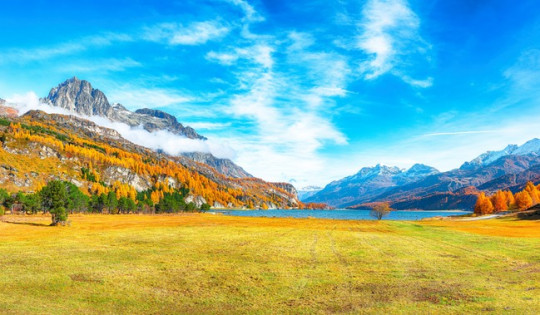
column 54, row 198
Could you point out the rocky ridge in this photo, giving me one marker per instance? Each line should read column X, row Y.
column 369, row 183
column 80, row 97
column 426, row 188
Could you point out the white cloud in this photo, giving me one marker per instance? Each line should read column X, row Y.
column 138, row 97
column 414, row 82
column 525, row 73
column 456, row 133
column 63, row 49
column 389, row 36
column 196, row 33
column 260, row 54
column 207, row 125
column 159, row 140
column 250, row 14
column 285, row 133
column 222, row 58
column 101, row 65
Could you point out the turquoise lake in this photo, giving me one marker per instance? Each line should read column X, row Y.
column 345, row 214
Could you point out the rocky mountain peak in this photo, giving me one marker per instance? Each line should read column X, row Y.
column 158, row 114
column 378, row 170
column 531, row 147
column 421, row 169
column 79, row 96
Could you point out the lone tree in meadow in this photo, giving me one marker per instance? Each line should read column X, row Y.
column 380, row 210
column 54, row 198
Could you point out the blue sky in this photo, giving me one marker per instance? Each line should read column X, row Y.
column 308, row 91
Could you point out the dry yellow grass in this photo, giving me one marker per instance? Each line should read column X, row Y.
column 203, row 263
column 501, row 227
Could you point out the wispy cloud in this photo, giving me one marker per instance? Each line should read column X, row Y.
column 250, row 14
column 196, row 33
column 62, row 49
column 207, row 125
column 457, row 133
column 100, row 65
column 389, row 36
column 285, row 111
column 259, row 53
column 138, row 97
column 161, row 140
column 524, row 74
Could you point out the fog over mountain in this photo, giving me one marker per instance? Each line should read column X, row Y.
column 148, row 127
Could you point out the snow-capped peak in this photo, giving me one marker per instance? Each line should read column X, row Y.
column 529, row 147
column 420, row 170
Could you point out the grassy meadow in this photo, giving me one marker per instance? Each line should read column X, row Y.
column 203, row 263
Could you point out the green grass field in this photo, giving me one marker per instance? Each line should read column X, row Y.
column 218, row 264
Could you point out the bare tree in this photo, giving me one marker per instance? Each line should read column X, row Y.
column 380, row 210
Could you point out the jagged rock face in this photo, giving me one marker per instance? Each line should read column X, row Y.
column 287, row 187
column 197, row 200
column 79, row 96
column 175, row 126
column 224, row 166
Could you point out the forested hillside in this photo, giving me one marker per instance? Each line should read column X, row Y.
column 37, row 148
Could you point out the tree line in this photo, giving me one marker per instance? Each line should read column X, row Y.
column 504, row 200
column 60, row 198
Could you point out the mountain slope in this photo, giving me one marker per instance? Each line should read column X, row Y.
column 39, row 147
column 368, row 183
column 80, row 97
column 308, row 191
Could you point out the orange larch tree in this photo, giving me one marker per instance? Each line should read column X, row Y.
column 483, row 205
column 523, row 200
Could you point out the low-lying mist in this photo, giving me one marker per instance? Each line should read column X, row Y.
column 159, row 140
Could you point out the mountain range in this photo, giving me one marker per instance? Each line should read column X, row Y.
column 419, row 187
column 423, row 187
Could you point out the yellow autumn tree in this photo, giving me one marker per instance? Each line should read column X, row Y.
column 483, row 205
column 523, row 200
column 499, row 201
column 510, row 201
column 533, row 192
